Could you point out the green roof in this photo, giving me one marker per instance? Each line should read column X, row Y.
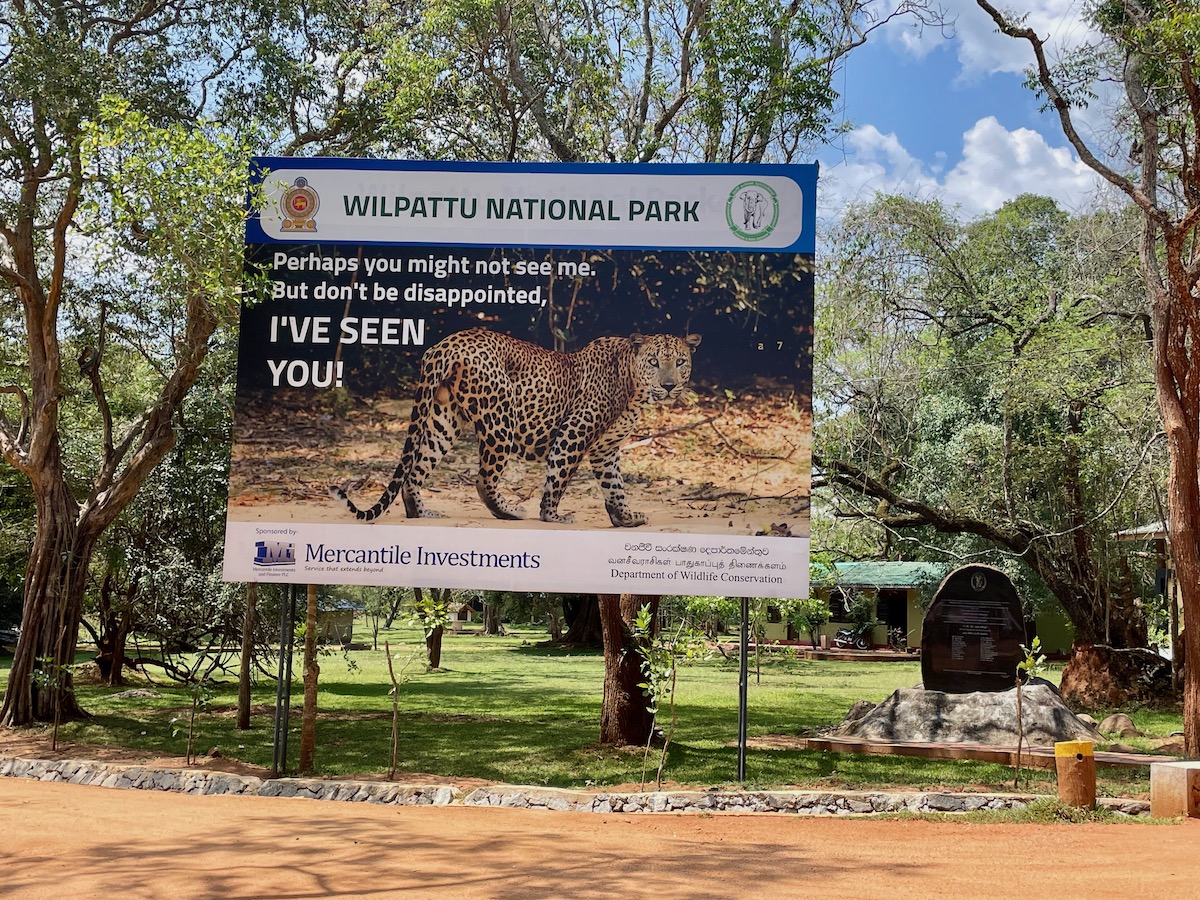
column 890, row 574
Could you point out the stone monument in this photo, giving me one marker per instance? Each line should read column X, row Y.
column 972, row 636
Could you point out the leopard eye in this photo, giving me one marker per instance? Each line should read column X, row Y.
column 682, row 361
column 653, row 360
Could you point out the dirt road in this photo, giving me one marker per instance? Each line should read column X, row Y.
column 61, row 841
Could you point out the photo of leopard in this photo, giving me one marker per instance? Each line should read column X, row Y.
column 524, row 401
column 497, row 413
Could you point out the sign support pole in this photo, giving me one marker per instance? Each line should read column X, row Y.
column 283, row 682
column 743, row 686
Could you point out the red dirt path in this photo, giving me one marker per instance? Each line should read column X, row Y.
column 62, row 840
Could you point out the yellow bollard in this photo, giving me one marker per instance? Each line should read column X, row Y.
column 1075, row 764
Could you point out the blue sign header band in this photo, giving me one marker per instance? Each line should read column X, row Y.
column 740, row 208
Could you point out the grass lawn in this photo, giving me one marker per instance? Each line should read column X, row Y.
column 506, row 710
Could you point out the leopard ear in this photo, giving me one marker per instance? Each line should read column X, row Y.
column 638, row 339
column 692, row 340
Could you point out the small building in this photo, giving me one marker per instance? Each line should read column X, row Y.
column 464, row 613
column 335, row 620
column 901, row 591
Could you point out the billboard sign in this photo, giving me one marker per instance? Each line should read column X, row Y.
column 526, row 377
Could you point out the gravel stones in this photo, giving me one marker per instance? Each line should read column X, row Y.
column 806, row 803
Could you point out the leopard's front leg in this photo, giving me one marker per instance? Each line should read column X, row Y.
column 562, row 461
column 607, row 467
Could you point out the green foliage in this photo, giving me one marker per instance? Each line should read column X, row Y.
column 1032, row 666
column 16, row 532
column 860, row 611
column 661, row 654
column 1034, row 663
column 659, row 81
column 429, row 612
column 968, row 365
column 808, row 615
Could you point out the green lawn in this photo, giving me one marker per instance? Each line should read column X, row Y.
column 504, row 709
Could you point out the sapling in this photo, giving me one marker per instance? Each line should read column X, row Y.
column 661, row 657
column 1032, row 666
column 395, row 692
column 50, row 676
column 202, row 692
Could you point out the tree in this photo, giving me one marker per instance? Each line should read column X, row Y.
column 1148, row 49
column 808, row 615
column 582, row 615
column 432, row 615
column 382, row 606
column 155, row 564
column 624, row 716
column 683, row 79
column 661, row 656
column 712, row 613
column 987, row 394
column 249, row 623
column 100, row 251
column 312, row 673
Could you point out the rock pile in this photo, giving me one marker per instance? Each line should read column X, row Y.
column 983, row 717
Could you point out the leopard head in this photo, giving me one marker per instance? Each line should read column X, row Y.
column 663, row 363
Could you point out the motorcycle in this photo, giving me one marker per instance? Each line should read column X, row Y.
column 856, row 637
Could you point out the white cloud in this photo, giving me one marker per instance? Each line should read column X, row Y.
column 981, row 50
column 999, row 164
column 996, row 165
column 874, row 163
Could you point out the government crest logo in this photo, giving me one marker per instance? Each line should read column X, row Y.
column 299, row 206
column 752, row 210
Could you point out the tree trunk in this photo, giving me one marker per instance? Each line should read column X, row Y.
column 491, row 619
column 54, row 582
column 308, row 720
column 248, row 625
column 1177, row 388
column 113, row 630
column 582, row 612
column 1183, row 506
column 624, row 718
column 433, row 648
column 116, row 675
column 394, row 606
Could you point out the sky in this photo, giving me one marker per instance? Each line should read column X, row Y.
column 944, row 114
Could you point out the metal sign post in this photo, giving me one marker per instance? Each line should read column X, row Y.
column 743, row 686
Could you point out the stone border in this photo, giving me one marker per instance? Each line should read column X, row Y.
column 808, row 803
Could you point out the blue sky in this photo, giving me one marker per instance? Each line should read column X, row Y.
column 947, row 116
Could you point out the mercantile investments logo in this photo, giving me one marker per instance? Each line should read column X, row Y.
column 274, row 553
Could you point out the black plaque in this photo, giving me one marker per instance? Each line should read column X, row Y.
column 971, row 639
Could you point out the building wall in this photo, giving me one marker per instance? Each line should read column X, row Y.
column 916, row 618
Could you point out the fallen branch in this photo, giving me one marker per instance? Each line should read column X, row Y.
column 678, row 428
column 742, row 498
column 746, row 455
